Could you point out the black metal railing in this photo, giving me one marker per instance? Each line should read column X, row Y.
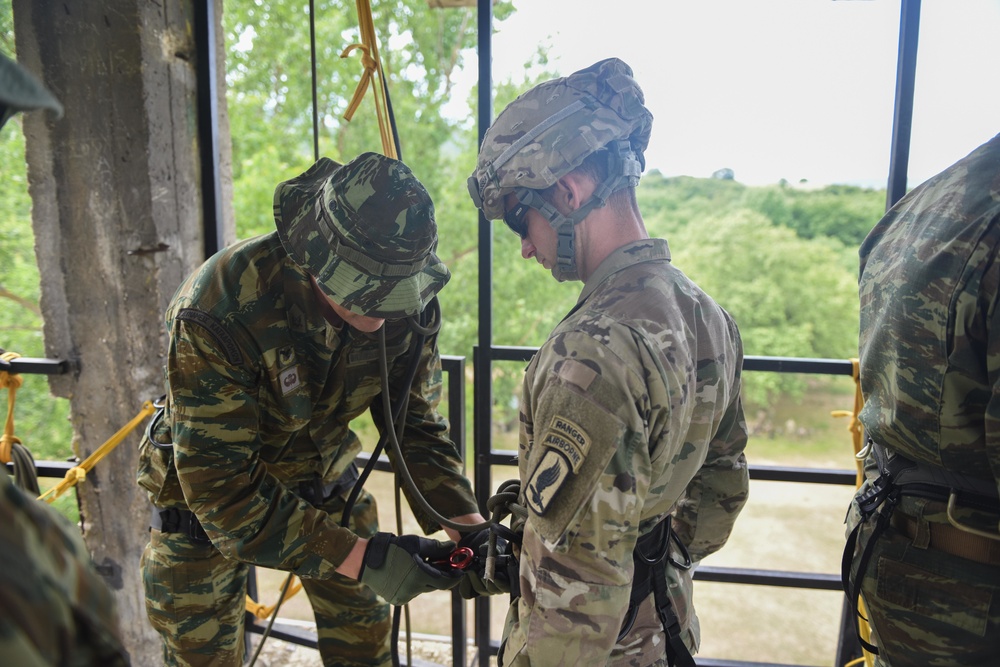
column 485, row 457
column 847, row 649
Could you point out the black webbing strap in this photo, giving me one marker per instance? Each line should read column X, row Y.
column 881, row 499
column 652, row 557
column 174, row 520
column 898, row 477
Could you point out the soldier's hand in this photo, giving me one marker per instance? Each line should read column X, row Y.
column 399, row 568
column 473, row 583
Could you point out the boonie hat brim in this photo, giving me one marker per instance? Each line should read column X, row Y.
column 361, row 260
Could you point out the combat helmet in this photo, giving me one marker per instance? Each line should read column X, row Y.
column 365, row 231
column 549, row 131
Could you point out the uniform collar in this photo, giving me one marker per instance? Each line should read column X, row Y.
column 630, row 254
column 302, row 309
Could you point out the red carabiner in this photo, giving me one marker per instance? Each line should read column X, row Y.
column 459, row 559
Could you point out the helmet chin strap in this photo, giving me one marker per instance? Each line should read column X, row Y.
column 623, row 170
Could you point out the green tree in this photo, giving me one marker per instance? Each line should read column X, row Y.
column 41, row 421
column 791, row 297
column 843, row 212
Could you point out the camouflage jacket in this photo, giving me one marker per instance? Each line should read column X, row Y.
column 930, row 322
column 631, row 411
column 55, row 609
column 261, row 392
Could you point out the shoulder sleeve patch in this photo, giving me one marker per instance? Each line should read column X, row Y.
column 548, row 477
column 216, row 330
column 565, row 436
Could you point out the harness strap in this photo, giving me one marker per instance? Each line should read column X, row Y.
column 898, row 477
column 177, row 520
column 174, row 520
column 652, row 556
column 930, row 481
column 883, row 495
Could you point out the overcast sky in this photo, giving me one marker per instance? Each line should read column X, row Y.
column 772, row 89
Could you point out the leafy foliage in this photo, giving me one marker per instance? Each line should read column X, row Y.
column 41, row 421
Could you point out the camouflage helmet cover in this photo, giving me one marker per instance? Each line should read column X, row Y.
column 549, row 130
column 365, row 231
column 21, row 91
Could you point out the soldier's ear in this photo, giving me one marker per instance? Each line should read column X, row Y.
column 571, row 192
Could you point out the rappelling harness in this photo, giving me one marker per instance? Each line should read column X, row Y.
column 901, row 477
column 653, row 553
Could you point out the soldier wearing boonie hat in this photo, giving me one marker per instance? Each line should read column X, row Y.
column 633, row 400
column 57, row 610
column 272, row 354
column 366, row 232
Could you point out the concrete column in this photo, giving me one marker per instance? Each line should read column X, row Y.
column 117, row 215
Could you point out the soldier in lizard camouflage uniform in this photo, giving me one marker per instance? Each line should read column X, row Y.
column 56, row 610
column 930, row 375
column 274, row 349
column 631, row 409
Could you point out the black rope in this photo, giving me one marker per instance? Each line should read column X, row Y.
column 312, row 60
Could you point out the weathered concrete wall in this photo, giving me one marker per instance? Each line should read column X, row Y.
column 115, row 185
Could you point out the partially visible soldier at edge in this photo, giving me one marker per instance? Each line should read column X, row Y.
column 923, row 544
column 274, row 348
column 632, row 435
column 55, row 609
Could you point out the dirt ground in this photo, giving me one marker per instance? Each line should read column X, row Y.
column 426, row 652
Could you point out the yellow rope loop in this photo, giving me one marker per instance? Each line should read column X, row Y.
column 855, row 426
column 78, row 473
column 262, row 611
column 13, row 382
column 370, row 67
column 373, row 75
column 7, row 443
column 8, row 379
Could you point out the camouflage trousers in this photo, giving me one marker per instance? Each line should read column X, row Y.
column 196, row 601
column 927, row 607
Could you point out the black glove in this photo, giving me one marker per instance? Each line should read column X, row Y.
column 399, row 568
column 473, row 584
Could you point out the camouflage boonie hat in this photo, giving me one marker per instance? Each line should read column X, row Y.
column 20, row 91
column 549, row 130
column 365, row 230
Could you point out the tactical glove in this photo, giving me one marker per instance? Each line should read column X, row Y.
column 473, row 584
column 399, row 568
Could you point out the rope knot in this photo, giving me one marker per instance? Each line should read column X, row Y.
column 7, row 442
column 76, row 475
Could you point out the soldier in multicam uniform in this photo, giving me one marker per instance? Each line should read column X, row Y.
column 631, row 457
column 274, row 349
column 923, row 528
column 55, row 609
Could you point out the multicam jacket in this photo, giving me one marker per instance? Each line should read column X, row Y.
column 631, row 411
column 55, row 609
column 261, row 393
column 930, row 322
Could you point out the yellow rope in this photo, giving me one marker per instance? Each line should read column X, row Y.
column 854, row 425
column 372, row 75
column 12, row 381
column 262, row 612
column 78, row 474
column 857, row 436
